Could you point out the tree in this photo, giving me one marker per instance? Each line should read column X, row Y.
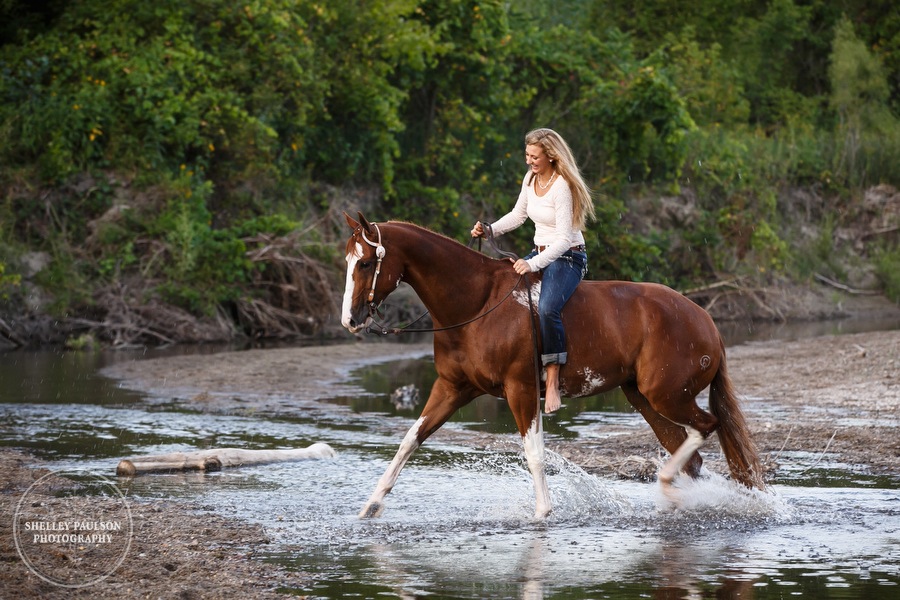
column 859, row 95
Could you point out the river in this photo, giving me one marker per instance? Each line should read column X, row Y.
column 459, row 524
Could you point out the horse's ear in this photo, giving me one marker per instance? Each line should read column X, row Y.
column 365, row 223
column 353, row 224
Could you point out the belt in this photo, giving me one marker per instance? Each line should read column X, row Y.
column 579, row 248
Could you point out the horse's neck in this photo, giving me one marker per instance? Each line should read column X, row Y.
column 453, row 282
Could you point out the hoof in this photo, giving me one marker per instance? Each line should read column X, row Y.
column 541, row 514
column 371, row 510
column 671, row 494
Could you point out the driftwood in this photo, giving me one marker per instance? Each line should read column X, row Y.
column 843, row 287
column 723, row 289
column 882, row 231
column 733, row 283
column 217, row 459
column 7, row 333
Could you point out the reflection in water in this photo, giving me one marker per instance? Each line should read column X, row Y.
column 736, row 332
column 532, row 569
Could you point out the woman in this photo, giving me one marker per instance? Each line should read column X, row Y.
column 556, row 198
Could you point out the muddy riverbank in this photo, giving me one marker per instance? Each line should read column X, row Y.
column 832, row 397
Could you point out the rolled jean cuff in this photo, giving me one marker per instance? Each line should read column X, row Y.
column 555, row 359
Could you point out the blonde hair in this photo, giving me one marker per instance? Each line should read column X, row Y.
column 559, row 153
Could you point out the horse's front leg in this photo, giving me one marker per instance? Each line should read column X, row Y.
column 375, row 506
column 525, row 406
column 533, row 440
column 443, row 401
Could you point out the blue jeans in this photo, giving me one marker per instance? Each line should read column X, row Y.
column 560, row 279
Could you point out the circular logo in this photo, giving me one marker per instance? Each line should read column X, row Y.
column 73, row 529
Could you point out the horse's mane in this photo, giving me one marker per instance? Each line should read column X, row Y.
column 425, row 229
column 351, row 242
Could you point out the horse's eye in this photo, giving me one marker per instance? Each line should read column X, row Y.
column 364, row 264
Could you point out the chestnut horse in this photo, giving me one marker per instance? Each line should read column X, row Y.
column 658, row 346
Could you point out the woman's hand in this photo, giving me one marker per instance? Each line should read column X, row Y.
column 521, row 267
column 478, row 230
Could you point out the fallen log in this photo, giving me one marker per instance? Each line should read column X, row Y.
column 7, row 333
column 843, row 287
column 217, row 459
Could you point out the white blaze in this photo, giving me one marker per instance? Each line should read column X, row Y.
column 346, row 310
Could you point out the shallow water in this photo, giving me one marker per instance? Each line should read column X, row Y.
column 458, row 524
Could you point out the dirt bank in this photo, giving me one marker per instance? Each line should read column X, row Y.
column 175, row 550
column 835, row 397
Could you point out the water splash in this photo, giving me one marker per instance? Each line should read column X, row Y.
column 579, row 496
column 715, row 498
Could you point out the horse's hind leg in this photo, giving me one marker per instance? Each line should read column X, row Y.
column 698, row 425
column 443, row 401
column 678, row 460
column 670, row 435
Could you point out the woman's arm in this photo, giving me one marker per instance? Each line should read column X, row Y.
column 517, row 215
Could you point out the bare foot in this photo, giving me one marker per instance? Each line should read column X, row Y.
column 552, row 401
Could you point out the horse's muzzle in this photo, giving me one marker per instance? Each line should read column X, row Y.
column 354, row 325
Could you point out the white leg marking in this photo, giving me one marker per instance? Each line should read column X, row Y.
column 375, row 506
column 347, row 307
column 676, row 463
column 534, row 454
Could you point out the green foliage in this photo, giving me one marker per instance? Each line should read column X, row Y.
column 859, row 96
column 651, row 21
column 110, row 266
column 151, row 86
column 225, row 118
column 768, row 43
column 67, row 278
column 457, row 111
column 83, row 342
column 8, row 282
column 709, row 85
column 771, row 251
column 642, row 123
column 360, row 52
column 818, row 255
column 887, row 265
column 617, row 253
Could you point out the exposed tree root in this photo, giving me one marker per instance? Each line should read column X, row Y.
column 290, row 296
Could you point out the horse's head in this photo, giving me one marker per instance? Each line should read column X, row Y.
column 369, row 275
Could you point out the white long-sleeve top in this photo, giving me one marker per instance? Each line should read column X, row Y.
column 552, row 216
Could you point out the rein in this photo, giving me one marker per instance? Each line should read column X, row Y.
column 384, row 330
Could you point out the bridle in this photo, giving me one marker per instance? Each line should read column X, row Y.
column 380, row 252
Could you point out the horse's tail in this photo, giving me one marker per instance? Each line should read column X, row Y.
column 734, row 435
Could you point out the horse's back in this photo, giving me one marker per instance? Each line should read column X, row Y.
column 620, row 328
column 646, row 305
